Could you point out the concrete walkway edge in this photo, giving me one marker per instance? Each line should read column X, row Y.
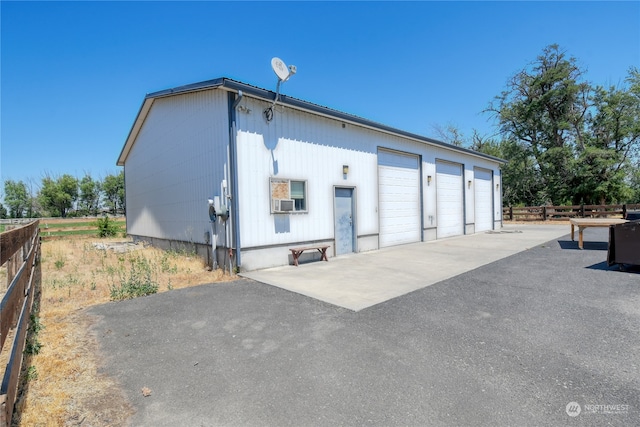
column 360, row 280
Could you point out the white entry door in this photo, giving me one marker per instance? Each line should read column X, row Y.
column 344, row 221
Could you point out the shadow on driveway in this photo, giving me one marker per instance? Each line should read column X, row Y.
column 587, row 246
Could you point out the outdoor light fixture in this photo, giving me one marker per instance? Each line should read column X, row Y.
column 428, row 179
column 345, row 169
column 497, row 186
column 469, row 184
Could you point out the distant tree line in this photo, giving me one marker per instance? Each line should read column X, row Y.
column 64, row 196
column 566, row 141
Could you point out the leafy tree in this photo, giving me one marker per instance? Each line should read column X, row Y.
column 15, row 196
column 613, row 139
column 89, row 198
column 33, row 205
column 522, row 182
column 583, row 140
column 544, row 107
column 634, row 184
column 3, row 212
column 113, row 190
column 58, row 195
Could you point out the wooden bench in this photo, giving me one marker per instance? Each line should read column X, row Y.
column 296, row 252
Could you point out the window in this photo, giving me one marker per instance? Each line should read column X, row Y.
column 288, row 195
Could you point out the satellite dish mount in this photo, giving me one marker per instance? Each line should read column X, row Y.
column 284, row 73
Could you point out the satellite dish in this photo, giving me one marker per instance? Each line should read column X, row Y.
column 283, row 72
column 280, row 68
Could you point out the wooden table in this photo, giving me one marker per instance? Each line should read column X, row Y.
column 583, row 223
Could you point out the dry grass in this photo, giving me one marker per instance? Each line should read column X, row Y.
column 69, row 389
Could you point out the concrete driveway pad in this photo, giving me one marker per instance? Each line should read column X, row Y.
column 358, row 281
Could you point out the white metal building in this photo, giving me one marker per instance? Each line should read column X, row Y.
column 296, row 175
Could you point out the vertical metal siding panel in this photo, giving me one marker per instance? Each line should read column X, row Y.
column 308, row 148
column 176, row 164
column 497, row 197
column 469, row 195
column 314, row 148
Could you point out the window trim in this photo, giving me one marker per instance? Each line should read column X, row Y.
column 288, row 181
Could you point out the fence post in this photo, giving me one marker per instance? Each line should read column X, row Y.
column 624, row 211
column 582, row 210
column 544, row 213
column 510, row 213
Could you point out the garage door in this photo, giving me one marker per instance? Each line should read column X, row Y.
column 399, row 198
column 483, row 196
column 449, row 199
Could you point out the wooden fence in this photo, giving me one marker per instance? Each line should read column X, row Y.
column 20, row 250
column 561, row 213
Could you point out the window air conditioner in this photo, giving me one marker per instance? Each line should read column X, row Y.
column 283, row 205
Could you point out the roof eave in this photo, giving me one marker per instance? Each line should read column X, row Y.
column 315, row 108
column 257, row 92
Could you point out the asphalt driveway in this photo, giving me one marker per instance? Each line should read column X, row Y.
column 525, row 340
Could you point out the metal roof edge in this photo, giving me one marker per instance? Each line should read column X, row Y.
column 208, row 84
column 133, row 132
column 298, row 103
column 234, row 85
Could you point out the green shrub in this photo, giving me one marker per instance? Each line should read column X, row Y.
column 107, row 227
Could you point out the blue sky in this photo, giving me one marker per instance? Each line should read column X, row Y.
column 74, row 74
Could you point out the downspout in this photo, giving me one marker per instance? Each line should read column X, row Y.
column 233, row 102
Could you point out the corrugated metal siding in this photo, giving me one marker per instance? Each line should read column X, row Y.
column 176, row 163
column 304, row 146
column 181, row 154
column 497, row 197
column 429, row 157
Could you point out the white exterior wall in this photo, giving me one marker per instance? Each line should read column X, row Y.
column 469, row 162
column 305, row 147
column 314, row 148
column 497, row 199
column 176, row 164
column 181, row 156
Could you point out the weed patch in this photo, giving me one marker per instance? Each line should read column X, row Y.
column 31, row 374
column 33, row 345
column 137, row 283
